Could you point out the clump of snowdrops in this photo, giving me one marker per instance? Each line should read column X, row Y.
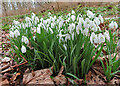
column 59, row 40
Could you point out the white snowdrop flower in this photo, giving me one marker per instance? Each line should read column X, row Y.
column 87, row 20
column 80, row 24
column 81, row 20
column 17, row 33
column 73, row 12
column 60, row 35
column 99, row 28
column 97, row 21
column 52, row 25
column 92, row 24
column 33, row 14
column 79, row 16
column 23, row 49
column 68, row 15
column 41, row 19
column 107, row 36
column 11, row 34
column 16, row 22
column 101, row 38
column 68, row 19
column 60, row 24
column 38, row 30
column 86, row 24
column 73, row 17
column 49, row 14
column 27, row 19
column 45, row 21
column 113, row 25
column 96, row 39
column 90, row 14
column 51, row 30
column 92, row 37
column 85, row 32
column 71, row 27
column 34, row 38
column 12, row 28
column 101, row 18
column 36, row 20
column 25, row 40
column 77, row 29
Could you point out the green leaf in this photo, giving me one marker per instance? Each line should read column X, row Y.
column 72, row 76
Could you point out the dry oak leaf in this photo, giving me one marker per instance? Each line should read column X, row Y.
column 40, row 77
column 60, row 78
column 5, row 82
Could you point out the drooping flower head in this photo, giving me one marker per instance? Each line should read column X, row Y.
column 23, row 49
column 25, row 40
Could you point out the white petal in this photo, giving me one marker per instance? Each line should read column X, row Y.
column 23, row 49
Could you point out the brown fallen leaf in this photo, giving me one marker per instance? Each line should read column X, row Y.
column 60, row 78
column 5, row 82
column 40, row 77
column 114, row 81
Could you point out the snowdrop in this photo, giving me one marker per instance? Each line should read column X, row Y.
column 16, row 22
column 96, row 39
column 107, row 36
column 36, row 20
column 81, row 20
column 27, row 19
column 60, row 35
column 116, row 25
column 85, row 32
column 92, row 24
column 71, row 27
column 113, row 25
column 49, row 14
column 60, row 24
column 23, row 49
column 101, row 38
column 73, row 17
column 68, row 15
column 77, row 29
column 86, row 24
column 17, row 33
column 12, row 28
column 101, row 18
column 97, row 21
column 95, row 29
column 38, row 30
column 11, row 34
column 92, row 37
column 25, row 40
column 73, row 12
column 90, row 14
